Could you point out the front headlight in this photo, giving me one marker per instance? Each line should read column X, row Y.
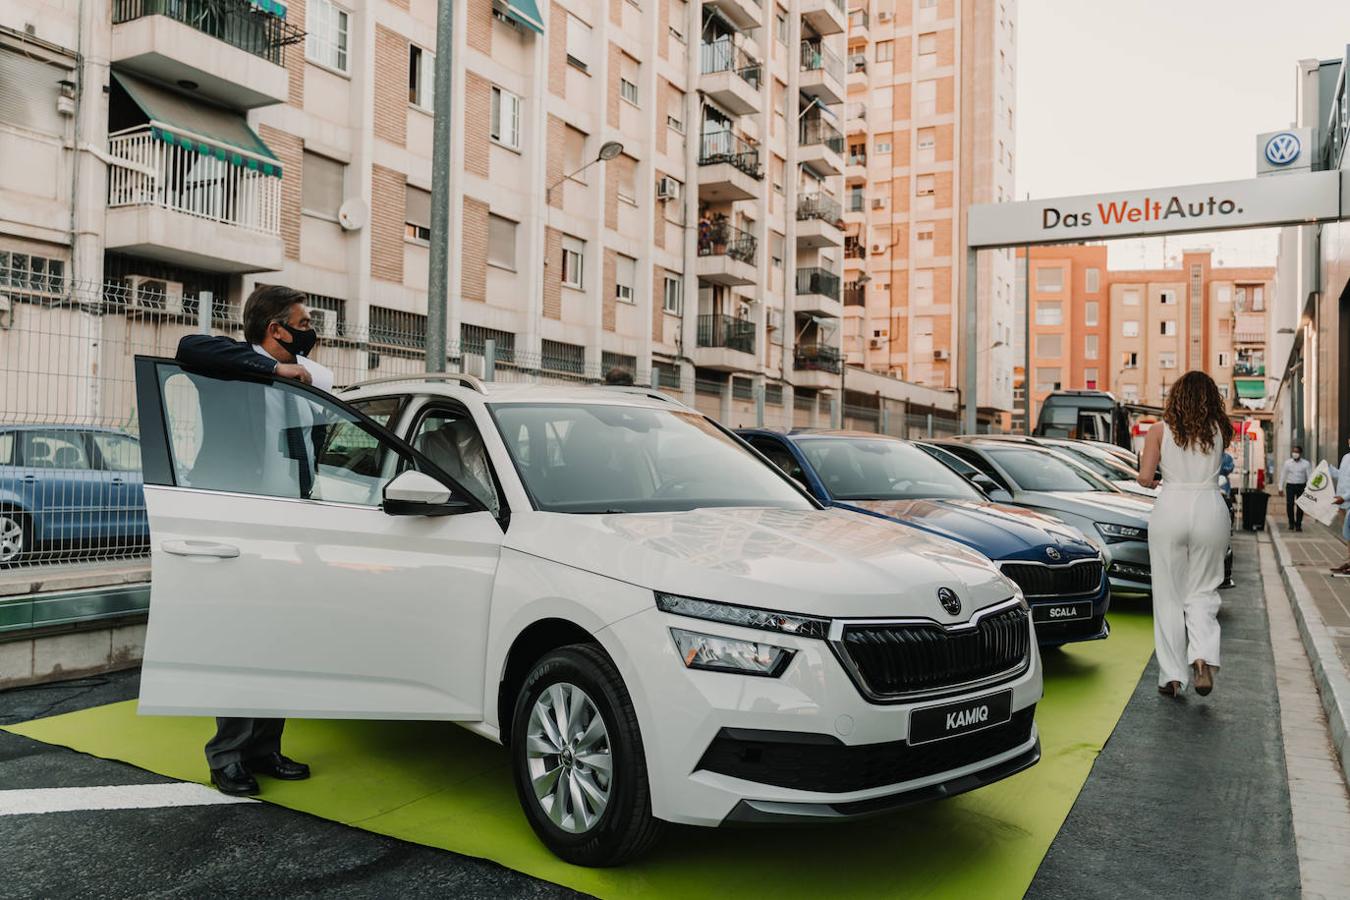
column 719, row 654
column 744, row 616
column 1114, row 533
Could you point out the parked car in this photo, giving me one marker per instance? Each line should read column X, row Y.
column 66, row 488
column 656, row 623
column 1038, row 479
column 1060, row 573
column 1104, row 464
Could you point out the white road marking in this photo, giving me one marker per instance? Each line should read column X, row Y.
column 119, row 796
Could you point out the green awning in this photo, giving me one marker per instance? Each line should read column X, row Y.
column 524, row 12
column 199, row 126
column 1250, row 388
column 274, row 7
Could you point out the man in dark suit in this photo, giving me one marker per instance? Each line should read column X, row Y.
column 278, row 335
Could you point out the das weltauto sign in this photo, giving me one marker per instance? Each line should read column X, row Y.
column 1256, row 202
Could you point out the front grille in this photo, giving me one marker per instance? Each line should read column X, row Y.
column 1058, row 631
column 823, row 763
column 1055, row 581
column 900, row 660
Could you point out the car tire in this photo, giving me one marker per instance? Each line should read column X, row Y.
column 15, row 537
column 560, row 777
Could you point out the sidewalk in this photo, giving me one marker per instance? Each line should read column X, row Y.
column 1321, row 605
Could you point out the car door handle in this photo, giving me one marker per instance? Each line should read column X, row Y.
column 200, row 548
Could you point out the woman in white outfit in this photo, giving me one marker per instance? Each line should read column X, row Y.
column 1187, row 531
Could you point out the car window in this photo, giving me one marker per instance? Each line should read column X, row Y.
column 54, row 450
column 978, row 462
column 1035, row 470
column 780, row 456
column 272, row 439
column 878, row 469
column 383, row 410
column 596, row 458
column 451, row 440
column 6, row 448
column 118, row 452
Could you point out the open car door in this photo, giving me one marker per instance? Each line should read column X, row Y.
column 305, row 561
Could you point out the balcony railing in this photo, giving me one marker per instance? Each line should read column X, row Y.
column 854, row 294
column 854, row 248
column 857, row 159
column 155, row 173
column 1249, row 368
column 236, row 22
column 856, row 202
column 816, row 280
column 815, row 130
column 817, row 57
column 723, row 56
column 819, row 206
column 724, row 331
column 728, row 147
column 855, row 110
column 858, row 18
column 722, row 239
column 817, row 358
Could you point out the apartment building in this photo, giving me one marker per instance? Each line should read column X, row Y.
column 185, row 149
column 1134, row 332
column 929, row 125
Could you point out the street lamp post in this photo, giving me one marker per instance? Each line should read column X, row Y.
column 438, row 268
column 608, row 150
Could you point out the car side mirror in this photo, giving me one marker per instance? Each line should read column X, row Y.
column 414, row 493
column 989, row 487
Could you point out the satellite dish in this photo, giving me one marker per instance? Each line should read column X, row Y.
column 352, row 215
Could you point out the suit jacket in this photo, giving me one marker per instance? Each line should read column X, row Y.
column 222, row 357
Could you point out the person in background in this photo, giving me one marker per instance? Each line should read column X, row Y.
column 1342, row 500
column 1225, row 484
column 1293, row 480
column 619, row 376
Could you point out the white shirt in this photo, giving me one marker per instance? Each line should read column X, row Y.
column 1295, row 471
column 284, row 410
column 1342, row 474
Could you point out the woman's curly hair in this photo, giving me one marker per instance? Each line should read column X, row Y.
column 1195, row 413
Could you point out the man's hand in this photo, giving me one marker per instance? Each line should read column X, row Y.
column 293, row 371
column 1338, row 500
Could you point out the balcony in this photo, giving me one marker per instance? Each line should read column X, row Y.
column 213, row 207
column 855, row 294
column 822, row 73
column 233, row 51
column 812, row 357
column 817, row 293
column 729, row 168
column 857, row 69
column 820, row 146
column 855, row 117
column 726, row 344
column 1249, row 369
column 731, row 76
column 819, row 221
column 854, row 248
column 858, row 26
column 743, row 14
column 726, row 255
column 855, row 168
column 824, row 16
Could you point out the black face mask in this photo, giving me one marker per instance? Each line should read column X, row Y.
column 301, row 342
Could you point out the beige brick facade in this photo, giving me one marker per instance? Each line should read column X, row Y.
column 609, row 304
column 295, row 58
column 552, row 295
column 479, row 32
column 390, row 115
column 477, row 119
column 555, row 160
column 473, row 261
column 387, row 223
column 557, row 51
column 612, row 90
column 658, row 302
column 290, row 150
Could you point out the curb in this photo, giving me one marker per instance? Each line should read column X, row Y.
column 1333, row 685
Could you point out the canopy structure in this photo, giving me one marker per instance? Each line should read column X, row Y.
column 272, row 7
column 1250, row 388
column 523, row 12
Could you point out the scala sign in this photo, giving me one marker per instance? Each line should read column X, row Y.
column 1257, row 202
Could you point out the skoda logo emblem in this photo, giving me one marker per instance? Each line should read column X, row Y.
column 1052, row 552
column 950, row 602
column 1283, row 148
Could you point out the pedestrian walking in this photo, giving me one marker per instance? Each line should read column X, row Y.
column 1342, row 500
column 1188, row 532
column 1294, row 476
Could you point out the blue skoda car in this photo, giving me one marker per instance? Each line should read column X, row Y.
column 1060, row 573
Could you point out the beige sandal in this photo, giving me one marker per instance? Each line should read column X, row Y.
column 1171, row 689
column 1204, row 677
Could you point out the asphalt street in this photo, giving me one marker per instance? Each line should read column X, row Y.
column 1188, row 798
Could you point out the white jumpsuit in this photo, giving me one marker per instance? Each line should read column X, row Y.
column 1188, row 535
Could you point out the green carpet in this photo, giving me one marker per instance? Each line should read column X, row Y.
column 435, row 784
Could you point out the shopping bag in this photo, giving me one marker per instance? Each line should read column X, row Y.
column 1316, row 500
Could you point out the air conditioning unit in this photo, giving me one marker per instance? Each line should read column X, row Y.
column 154, row 294
column 775, row 321
column 878, row 247
column 325, row 322
column 876, row 343
column 667, row 189
column 858, row 62
column 941, row 354
column 884, row 16
column 878, row 203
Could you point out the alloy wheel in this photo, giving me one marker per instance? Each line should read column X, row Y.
column 11, row 538
column 567, row 751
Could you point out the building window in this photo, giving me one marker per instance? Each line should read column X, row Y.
column 501, row 242
column 1047, row 380
column 1090, row 346
column 421, row 76
column 1223, row 392
column 1167, row 298
column 883, row 147
column 625, row 276
column 1050, row 280
column 1167, row 360
column 321, row 191
column 574, row 153
column 625, row 182
column 927, row 144
column 1050, row 313
column 1258, row 299
column 674, row 295
column 31, row 274
column 923, row 238
column 417, row 214
column 1092, row 280
column 1090, row 379
column 628, row 78
column 928, row 51
column 1049, row 346
column 777, row 243
column 924, row 185
column 925, row 98
column 1129, row 360
column 1223, row 359
column 326, row 35
column 885, row 51
column 573, row 262
column 1129, row 328
column 578, row 43
column 556, row 356
column 923, row 287
column 679, row 14
column 1130, row 298
column 1168, row 327
column 505, row 118
column 781, row 27
column 1090, row 312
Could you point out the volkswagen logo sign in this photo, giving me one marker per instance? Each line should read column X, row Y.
column 1283, row 148
column 950, row 602
column 1052, row 552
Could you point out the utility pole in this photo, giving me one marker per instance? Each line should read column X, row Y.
column 438, row 274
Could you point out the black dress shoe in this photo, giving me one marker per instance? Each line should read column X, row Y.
column 235, row 779
column 275, row 765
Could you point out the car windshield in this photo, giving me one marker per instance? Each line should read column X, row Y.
column 1036, row 470
column 878, row 469
column 606, row 458
column 1098, row 466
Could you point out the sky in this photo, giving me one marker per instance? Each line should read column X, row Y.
column 1123, row 94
